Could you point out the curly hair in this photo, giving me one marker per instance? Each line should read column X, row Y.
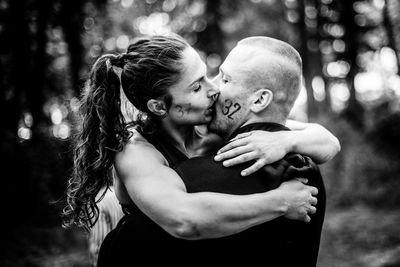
column 149, row 68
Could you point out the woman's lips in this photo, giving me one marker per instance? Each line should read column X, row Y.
column 209, row 111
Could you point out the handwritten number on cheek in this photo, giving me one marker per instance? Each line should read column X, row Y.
column 227, row 108
column 238, row 107
column 180, row 110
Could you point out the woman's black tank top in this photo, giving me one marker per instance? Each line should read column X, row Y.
column 170, row 152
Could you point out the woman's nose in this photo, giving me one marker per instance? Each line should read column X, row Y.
column 213, row 91
column 214, row 96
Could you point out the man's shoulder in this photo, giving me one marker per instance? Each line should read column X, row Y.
column 200, row 163
column 205, row 167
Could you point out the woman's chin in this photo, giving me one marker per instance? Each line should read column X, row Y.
column 208, row 119
column 209, row 115
column 205, row 120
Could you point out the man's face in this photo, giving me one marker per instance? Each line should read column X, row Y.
column 231, row 108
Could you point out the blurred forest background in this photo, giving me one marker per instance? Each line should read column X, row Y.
column 351, row 57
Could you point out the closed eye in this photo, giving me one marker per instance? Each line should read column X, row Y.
column 197, row 88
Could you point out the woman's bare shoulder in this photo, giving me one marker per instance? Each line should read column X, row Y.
column 137, row 138
column 138, row 150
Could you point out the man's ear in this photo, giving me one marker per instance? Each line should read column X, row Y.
column 157, row 107
column 262, row 99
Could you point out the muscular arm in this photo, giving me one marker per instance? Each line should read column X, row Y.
column 313, row 140
column 160, row 193
column 265, row 148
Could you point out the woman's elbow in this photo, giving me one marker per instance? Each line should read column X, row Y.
column 332, row 149
column 184, row 226
column 335, row 146
column 188, row 231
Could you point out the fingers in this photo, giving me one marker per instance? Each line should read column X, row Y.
column 314, row 191
column 253, row 168
column 240, row 136
column 312, row 210
column 307, row 219
column 233, row 144
column 240, row 159
column 232, row 153
column 303, row 180
column 313, row 201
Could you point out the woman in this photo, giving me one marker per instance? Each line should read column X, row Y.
column 160, row 77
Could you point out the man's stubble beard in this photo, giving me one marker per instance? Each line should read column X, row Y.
column 214, row 126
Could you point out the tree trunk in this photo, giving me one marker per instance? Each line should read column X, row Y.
column 72, row 23
column 306, row 55
column 35, row 92
column 18, row 34
column 389, row 25
column 325, row 106
column 354, row 111
column 210, row 40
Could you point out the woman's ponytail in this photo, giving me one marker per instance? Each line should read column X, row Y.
column 149, row 68
column 103, row 132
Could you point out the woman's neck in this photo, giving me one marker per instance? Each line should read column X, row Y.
column 180, row 135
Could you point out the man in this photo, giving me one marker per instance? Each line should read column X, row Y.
column 259, row 83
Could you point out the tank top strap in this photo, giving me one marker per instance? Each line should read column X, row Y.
column 164, row 146
column 170, row 152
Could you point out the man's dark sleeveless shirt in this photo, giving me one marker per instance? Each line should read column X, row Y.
column 285, row 242
column 282, row 242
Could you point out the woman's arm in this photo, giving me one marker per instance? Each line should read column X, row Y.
column 264, row 147
column 161, row 194
column 313, row 140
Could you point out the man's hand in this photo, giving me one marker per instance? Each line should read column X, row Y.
column 300, row 199
column 261, row 146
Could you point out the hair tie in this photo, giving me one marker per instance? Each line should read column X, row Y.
column 121, row 59
column 118, row 61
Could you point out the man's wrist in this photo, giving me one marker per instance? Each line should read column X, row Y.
column 291, row 141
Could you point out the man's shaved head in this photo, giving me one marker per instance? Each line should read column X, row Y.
column 275, row 65
column 259, row 81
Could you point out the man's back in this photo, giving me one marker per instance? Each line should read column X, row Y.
column 285, row 242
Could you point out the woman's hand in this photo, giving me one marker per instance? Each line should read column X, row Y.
column 300, row 198
column 264, row 147
column 261, row 146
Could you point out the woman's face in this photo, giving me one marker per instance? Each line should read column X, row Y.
column 194, row 95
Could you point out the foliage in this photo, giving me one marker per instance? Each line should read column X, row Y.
column 350, row 52
column 365, row 171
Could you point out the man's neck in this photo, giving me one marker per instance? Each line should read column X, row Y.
column 260, row 125
column 264, row 119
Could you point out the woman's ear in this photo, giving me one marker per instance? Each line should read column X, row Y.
column 157, row 107
column 262, row 98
